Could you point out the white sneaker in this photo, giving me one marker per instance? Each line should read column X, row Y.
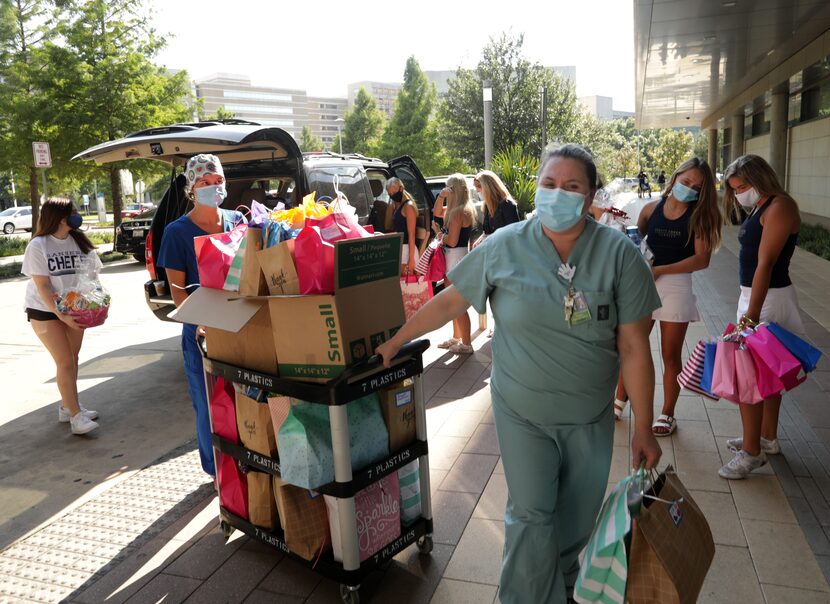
column 770, row 447
column 81, row 424
column 460, row 348
column 64, row 415
column 448, row 343
column 742, row 464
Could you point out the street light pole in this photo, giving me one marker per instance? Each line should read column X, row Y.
column 543, row 90
column 487, row 92
column 340, row 121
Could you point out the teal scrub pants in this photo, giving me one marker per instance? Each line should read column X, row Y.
column 556, row 480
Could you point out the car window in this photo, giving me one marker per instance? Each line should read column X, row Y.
column 26, row 212
column 351, row 181
column 8, row 212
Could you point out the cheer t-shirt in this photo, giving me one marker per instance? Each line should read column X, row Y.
column 59, row 259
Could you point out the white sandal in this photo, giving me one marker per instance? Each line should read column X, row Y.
column 667, row 422
column 619, row 408
column 449, row 343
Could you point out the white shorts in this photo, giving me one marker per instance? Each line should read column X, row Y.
column 780, row 306
column 405, row 254
column 453, row 256
column 677, row 298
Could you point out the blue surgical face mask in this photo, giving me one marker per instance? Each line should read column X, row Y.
column 558, row 209
column 684, row 194
column 74, row 221
column 211, row 196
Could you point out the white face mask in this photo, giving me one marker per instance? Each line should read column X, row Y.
column 748, row 198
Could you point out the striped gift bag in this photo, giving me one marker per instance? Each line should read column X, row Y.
column 692, row 372
column 603, row 567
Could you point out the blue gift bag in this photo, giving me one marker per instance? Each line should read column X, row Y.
column 708, row 366
column 807, row 354
column 304, row 441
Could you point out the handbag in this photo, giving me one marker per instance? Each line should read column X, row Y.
column 437, row 265
column 723, row 373
column 767, row 350
column 215, row 254
column 422, row 268
column 671, row 547
column 807, row 354
column 691, row 377
column 746, row 378
column 416, row 291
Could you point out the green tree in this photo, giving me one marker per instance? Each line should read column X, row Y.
column 364, row 125
column 220, row 114
column 411, row 130
column 672, row 149
column 517, row 169
column 515, row 83
column 310, row 141
column 101, row 83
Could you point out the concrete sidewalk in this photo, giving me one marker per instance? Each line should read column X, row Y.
column 154, row 536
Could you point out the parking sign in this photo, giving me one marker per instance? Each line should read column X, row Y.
column 43, row 156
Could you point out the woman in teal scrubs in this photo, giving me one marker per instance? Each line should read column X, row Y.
column 573, row 302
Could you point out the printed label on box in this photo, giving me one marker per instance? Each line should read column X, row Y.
column 358, row 350
column 377, row 339
column 403, row 398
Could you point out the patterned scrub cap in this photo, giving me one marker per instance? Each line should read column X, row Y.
column 200, row 165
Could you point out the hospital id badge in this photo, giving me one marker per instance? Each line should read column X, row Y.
column 580, row 313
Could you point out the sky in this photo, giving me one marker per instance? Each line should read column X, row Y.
column 321, row 46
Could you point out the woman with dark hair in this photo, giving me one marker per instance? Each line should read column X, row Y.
column 683, row 230
column 767, row 237
column 404, row 220
column 55, row 257
column 206, row 190
column 573, row 302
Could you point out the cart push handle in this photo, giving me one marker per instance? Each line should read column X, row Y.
column 407, row 352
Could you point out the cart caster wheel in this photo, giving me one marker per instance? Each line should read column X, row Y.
column 350, row 595
column 425, row 544
column 227, row 529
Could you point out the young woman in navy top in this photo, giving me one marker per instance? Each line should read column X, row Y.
column 683, row 229
column 404, row 220
column 768, row 237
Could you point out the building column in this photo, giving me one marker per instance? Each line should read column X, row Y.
column 712, row 159
column 778, row 130
column 737, row 143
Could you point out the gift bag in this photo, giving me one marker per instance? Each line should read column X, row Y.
column 769, row 351
column 279, row 406
column 223, row 410
column 278, row 269
column 377, row 514
column 416, row 291
column 769, row 385
column 304, row 441
column 723, row 374
column 303, row 519
column 691, row 376
column 253, row 421
column 710, row 348
column 437, row 265
column 215, row 253
column 262, row 505
column 422, row 267
column 603, row 568
column 746, row 378
column 397, row 405
column 233, row 485
column 680, row 542
column 807, row 354
column 314, row 258
column 409, row 478
column 245, row 275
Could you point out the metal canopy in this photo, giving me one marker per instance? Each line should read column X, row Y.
column 694, row 56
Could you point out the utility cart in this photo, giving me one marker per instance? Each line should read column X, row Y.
column 356, row 382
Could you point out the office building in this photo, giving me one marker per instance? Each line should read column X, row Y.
column 384, row 94
column 602, row 108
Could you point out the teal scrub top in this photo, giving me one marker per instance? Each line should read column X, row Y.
column 544, row 370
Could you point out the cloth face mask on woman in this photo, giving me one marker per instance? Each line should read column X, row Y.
column 558, row 209
column 211, row 196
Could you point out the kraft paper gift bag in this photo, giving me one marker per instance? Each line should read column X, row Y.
column 262, row 505
column 303, row 519
column 256, row 430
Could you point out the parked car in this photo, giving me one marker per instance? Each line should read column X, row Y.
column 436, row 183
column 19, row 218
column 134, row 209
column 131, row 235
column 260, row 163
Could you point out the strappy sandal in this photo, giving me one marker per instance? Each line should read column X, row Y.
column 448, row 343
column 667, row 423
column 619, row 408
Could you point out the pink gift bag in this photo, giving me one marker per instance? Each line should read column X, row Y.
column 746, row 379
column 723, row 376
column 378, row 517
column 767, row 350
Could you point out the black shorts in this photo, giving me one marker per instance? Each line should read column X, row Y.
column 40, row 315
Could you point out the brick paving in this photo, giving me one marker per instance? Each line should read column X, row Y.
column 153, row 536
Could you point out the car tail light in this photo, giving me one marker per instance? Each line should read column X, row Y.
column 148, row 256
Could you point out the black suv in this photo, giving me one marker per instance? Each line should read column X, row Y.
column 264, row 164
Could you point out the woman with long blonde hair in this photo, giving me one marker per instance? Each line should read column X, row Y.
column 404, row 220
column 499, row 207
column 683, row 228
column 458, row 223
column 768, row 237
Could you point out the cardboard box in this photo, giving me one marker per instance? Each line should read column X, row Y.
column 398, row 407
column 317, row 337
column 237, row 331
column 252, row 281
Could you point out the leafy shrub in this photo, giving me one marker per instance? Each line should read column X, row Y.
column 518, row 171
column 815, row 239
column 12, row 246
